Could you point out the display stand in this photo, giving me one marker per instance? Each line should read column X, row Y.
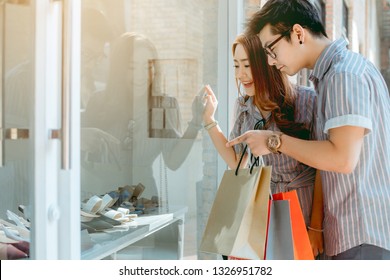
column 157, row 236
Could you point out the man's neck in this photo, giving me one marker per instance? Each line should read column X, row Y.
column 317, row 46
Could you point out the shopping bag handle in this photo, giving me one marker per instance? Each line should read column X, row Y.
column 255, row 163
column 258, row 126
column 241, row 157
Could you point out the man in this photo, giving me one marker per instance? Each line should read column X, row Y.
column 352, row 125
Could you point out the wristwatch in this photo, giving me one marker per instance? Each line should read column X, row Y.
column 274, row 142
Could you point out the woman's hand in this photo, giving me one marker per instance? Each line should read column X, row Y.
column 211, row 104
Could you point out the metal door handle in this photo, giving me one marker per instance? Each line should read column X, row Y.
column 17, row 133
column 65, row 85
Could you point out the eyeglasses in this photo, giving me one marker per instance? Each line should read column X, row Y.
column 268, row 49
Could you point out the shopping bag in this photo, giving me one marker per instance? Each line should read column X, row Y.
column 279, row 235
column 287, row 237
column 234, row 227
column 279, row 243
column 300, row 237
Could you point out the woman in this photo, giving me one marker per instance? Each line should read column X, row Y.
column 270, row 101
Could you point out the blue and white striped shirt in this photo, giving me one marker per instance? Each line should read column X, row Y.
column 351, row 92
column 287, row 173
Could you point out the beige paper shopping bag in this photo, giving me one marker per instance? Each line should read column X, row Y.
column 237, row 223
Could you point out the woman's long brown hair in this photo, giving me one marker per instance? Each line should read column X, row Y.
column 273, row 90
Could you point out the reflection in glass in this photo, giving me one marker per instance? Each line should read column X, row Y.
column 115, row 136
column 140, row 120
column 17, row 97
column 95, row 42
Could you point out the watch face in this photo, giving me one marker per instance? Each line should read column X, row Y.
column 273, row 141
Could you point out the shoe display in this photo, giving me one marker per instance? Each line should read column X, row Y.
column 98, row 224
column 87, row 217
column 109, row 220
column 117, row 208
column 92, row 205
column 14, row 232
column 14, row 238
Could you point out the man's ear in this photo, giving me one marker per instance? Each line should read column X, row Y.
column 298, row 32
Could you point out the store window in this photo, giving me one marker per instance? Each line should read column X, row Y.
column 321, row 7
column 143, row 64
column 16, row 126
column 304, row 74
column 344, row 23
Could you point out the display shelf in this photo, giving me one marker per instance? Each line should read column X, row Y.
column 158, row 236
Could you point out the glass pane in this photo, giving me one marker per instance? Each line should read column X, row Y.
column 16, row 95
column 143, row 64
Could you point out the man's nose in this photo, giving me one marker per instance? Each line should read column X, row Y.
column 271, row 61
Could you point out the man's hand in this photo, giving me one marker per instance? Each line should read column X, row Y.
column 316, row 242
column 255, row 139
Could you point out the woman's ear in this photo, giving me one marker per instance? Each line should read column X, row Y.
column 299, row 32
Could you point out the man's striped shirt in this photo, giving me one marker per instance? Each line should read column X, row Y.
column 351, row 92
